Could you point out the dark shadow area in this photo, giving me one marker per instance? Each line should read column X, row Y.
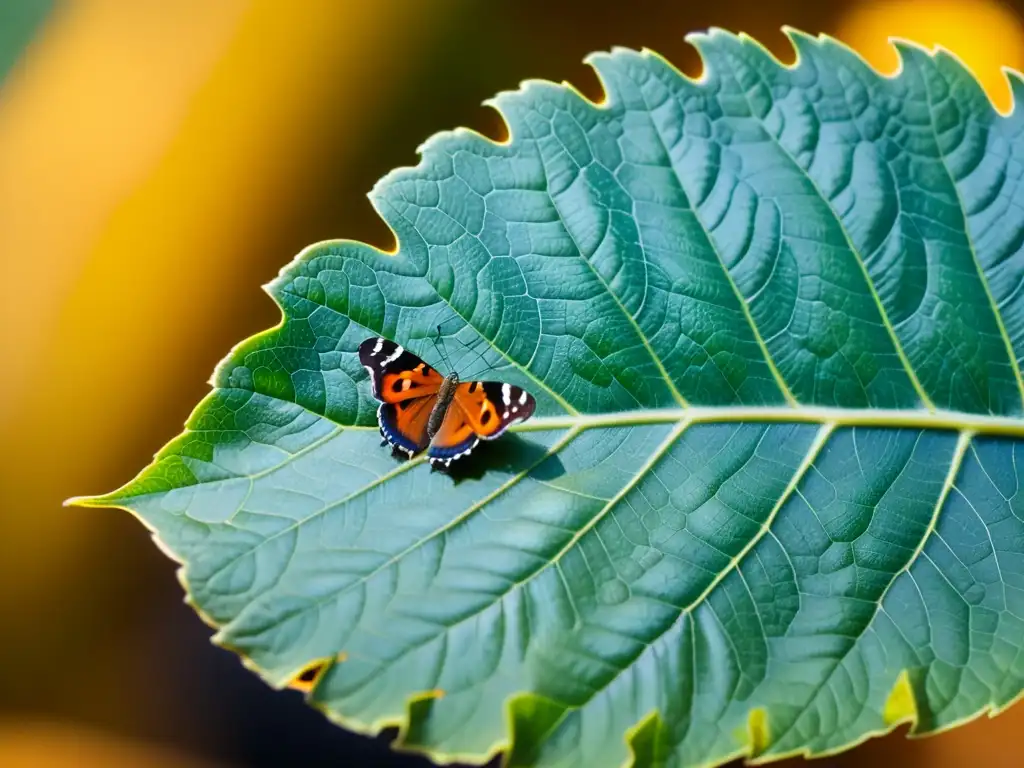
column 511, row 454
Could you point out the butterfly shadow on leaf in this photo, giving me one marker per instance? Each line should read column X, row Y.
column 512, row 454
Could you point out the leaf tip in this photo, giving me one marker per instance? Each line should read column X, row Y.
column 804, row 43
column 91, row 502
column 907, row 50
column 793, row 32
column 495, row 103
column 709, row 34
column 1015, row 82
column 698, row 40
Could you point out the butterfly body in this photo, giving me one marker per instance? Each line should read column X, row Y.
column 422, row 410
column 445, row 395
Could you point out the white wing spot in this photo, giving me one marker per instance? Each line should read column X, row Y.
column 447, row 462
column 378, row 345
column 506, row 394
column 522, row 398
column 392, row 357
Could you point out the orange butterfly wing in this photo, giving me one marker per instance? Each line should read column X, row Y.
column 491, row 406
column 404, row 424
column 395, row 373
column 407, row 388
column 454, row 439
column 479, row 410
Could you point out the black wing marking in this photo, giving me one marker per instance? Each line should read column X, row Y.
column 511, row 404
column 380, row 357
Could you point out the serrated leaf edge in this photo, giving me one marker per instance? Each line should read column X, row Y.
column 968, row 425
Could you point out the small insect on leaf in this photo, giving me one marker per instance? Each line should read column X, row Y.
column 421, row 409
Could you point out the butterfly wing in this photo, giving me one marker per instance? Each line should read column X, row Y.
column 404, row 424
column 454, row 439
column 479, row 410
column 407, row 388
column 395, row 373
column 491, row 406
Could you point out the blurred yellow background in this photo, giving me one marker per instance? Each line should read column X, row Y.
column 161, row 161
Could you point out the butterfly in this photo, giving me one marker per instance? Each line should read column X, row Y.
column 421, row 409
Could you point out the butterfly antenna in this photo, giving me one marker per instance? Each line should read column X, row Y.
column 439, row 346
column 480, row 356
column 441, row 349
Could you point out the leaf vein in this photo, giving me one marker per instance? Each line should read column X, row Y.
column 744, row 306
column 884, row 315
column 677, row 396
column 996, row 314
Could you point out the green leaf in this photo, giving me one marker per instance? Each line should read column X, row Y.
column 773, row 320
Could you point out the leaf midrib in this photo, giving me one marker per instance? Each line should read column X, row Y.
column 882, row 418
column 957, row 421
column 969, row 425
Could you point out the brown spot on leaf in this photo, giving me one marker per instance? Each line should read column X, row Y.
column 307, row 679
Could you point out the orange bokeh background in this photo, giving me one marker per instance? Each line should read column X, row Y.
column 161, row 161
